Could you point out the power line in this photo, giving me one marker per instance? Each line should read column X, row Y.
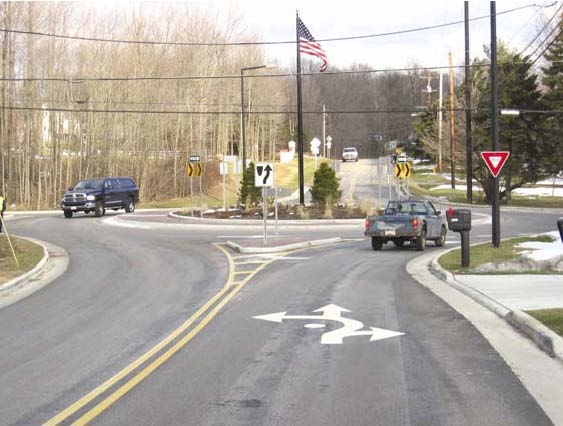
column 127, row 111
column 545, row 39
column 79, row 80
column 548, row 46
column 542, row 30
column 244, row 43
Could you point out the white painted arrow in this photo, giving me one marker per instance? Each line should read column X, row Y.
column 331, row 312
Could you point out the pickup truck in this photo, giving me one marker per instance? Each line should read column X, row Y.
column 413, row 221
column 95, row 195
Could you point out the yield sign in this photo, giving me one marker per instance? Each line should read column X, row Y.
column 495, row 160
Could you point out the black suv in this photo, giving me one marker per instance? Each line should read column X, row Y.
column 95, row 195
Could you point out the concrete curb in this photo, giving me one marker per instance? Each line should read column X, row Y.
column 258, row 250
column 546, row 339
column 255, row 222
column 53, row 264
column 37, row 268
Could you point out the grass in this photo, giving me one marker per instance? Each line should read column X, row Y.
column 29, row 254
column 287, row 174
column 487, row 253
column 422, row 188
column 552, row 318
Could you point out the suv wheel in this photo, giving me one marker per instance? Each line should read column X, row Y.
column 99, row 210
column 130, row 206
column 68, row 214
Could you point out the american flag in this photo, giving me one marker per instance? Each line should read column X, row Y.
column 308, row 45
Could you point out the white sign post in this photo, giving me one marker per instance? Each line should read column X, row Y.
column 224, row 170
column 264, row 178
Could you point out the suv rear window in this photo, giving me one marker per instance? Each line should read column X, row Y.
column 126, row 182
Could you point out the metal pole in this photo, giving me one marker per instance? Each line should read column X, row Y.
column 494, row 126
column 265, row 214
column 452, row 121
column 299, row 121
column 192, row 193
column 242, row 123
column 379, row 180
column 224, row 185
column 200, row 198
column 440, row 106
column 276, row 208
column 468, row 141
column 324, row 132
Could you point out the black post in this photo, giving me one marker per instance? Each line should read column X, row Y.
column 468, row 142
column 299, row 121
column 494, row 125
column 464, row 248
column 242, row 123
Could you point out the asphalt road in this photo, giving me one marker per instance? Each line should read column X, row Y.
column 129, row 288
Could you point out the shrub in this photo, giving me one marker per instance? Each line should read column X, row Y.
column 248, row 193
column 325, row 186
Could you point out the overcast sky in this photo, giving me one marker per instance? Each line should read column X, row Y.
column 275, row 21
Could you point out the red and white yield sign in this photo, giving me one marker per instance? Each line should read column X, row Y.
column 495, row 160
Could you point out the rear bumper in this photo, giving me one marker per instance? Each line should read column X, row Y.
column 392, row 234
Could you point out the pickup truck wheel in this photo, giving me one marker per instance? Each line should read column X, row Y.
column 68, row 214
column 441, row 241
column 99, row 209
column 421, row 241
column 130, row 206
column 376, row 243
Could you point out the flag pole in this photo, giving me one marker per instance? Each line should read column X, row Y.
column 299, row 119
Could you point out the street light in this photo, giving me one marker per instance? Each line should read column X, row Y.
column 242, row 121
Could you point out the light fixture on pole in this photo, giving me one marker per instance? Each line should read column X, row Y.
column 242, row 121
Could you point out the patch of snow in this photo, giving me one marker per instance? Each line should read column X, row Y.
column 540, row 251
column 457, row 188
column 545, row 192
column 549, row 181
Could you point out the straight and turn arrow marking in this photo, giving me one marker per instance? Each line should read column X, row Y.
column 333, row 312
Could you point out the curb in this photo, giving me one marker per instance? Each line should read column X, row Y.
column 53, row 264
column 15, row 281
column 546, row 339
column 251, row 250
column 254, row 222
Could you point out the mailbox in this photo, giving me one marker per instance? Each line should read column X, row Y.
column 459, row 219
column 560, row 226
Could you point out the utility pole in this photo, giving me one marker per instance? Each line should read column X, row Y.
column 452, row 120
column 440, row 118
column 494, row 125
column 468, row 141
column 300, row 162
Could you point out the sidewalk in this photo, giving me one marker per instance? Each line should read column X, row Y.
column 523, row 292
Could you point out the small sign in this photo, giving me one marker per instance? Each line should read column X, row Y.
column 199, row 169
column 495, row 160
column 402, row 170
column 190, row 169
column 195, row 158
column 264, row 174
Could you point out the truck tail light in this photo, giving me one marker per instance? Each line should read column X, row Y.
column 415, row 223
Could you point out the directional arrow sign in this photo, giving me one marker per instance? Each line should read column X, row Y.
column 495, row 160
column 350, row 327
column 263, row 174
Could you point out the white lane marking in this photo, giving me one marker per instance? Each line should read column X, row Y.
column 351, row 327
column 114, row 221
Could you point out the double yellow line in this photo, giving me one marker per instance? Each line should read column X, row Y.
column 218, row 301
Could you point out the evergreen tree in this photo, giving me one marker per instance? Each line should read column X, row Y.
column 325, row 186
column 552, row 100
column 248, row 193
column 521, row 134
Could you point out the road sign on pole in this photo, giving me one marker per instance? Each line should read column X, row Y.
column 495, row 160
column 264, row 174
